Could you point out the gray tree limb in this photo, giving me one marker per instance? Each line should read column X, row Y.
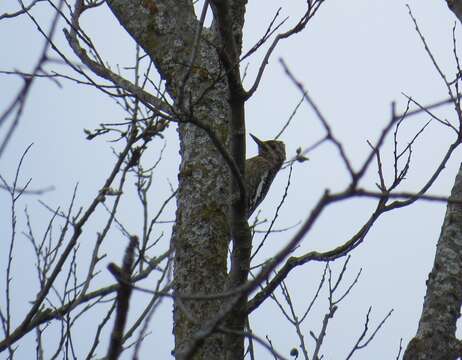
column 436, row 334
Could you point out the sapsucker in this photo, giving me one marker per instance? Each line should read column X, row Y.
column 261, row 170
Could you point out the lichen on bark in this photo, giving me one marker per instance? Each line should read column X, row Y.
column 166, row 29
column 436, row 334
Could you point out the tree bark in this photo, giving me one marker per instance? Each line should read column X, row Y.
column 166, row 30
column 436, row 334
column 435, row 338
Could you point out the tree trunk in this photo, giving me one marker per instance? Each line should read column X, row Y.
column 436, row 334
column 166, row 31
column 435, row 338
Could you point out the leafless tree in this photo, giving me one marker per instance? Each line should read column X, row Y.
column 436, row 334
column 188, row 74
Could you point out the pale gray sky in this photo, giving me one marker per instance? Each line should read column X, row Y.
column 355, row 58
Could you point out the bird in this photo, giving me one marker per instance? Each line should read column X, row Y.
column 261, row 170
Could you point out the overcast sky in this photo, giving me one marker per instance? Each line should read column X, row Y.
column 354, row 58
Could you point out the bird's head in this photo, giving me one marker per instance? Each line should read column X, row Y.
column 272, row 150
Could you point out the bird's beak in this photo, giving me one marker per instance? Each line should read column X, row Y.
column 257, row 140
